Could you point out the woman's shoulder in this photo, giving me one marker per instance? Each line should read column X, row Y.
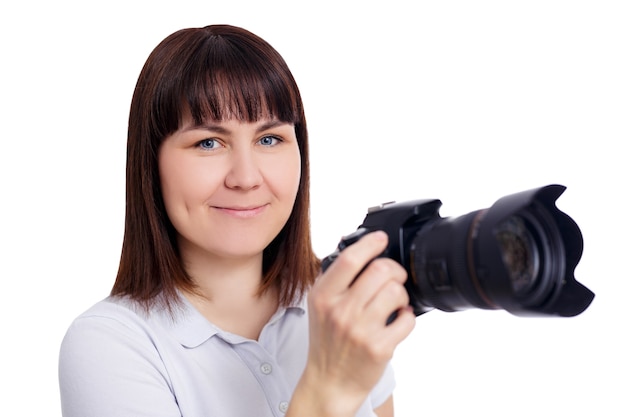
column 115, row 330
column 113, row 320
column 102, row 323
column 110, row 355
column 121, row 310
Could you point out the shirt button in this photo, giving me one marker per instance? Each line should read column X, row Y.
column 283, row 406
column 266, row 368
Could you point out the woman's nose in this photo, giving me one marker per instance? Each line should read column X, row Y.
column 244, row 171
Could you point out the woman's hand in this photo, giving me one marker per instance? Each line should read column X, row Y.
column 350, row 342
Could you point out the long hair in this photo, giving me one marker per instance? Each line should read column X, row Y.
column 215, row 72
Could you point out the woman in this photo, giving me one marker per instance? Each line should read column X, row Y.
column 217, row 308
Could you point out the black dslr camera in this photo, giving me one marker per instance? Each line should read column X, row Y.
column 518, row 255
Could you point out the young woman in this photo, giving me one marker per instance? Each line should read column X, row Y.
column 219, row 307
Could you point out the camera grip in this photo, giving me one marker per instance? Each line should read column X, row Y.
column 344, row 243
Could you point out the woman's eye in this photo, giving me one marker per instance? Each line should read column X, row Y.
column 208, row 144
column 269, row 140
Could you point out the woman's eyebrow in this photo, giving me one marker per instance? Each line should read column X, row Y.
column 218, row 128
column 213, row 127
column 271, row 124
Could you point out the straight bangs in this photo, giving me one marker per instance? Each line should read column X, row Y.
column 228, row 84
column 216, row 78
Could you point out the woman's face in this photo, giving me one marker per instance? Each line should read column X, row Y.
column 230, row 186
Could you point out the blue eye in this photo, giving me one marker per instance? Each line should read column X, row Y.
column 269, row 140
column 208, row 144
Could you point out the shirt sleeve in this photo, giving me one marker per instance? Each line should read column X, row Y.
column 108, row 368
column 384, row 388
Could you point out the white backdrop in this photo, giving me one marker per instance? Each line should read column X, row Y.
column 465, row 101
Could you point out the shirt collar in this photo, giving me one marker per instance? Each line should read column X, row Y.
column 191, row 328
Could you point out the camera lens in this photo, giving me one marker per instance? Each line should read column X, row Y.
column 519, row 253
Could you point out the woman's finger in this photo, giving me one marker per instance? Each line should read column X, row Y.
column 374, row 278
column 350, row 262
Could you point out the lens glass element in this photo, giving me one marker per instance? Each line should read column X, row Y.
column 519, row 253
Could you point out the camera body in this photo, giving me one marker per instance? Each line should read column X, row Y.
column 519, row 255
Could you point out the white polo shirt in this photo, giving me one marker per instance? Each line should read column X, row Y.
column 117, row 361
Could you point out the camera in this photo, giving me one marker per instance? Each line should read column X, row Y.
column 518, row 255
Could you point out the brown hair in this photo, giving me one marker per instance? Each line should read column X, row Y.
column 214, row 72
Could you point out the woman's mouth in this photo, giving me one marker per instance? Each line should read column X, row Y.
column 242, row 212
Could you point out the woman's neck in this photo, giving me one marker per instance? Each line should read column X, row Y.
column 227, row 294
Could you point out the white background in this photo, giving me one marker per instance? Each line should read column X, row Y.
column 465, row 101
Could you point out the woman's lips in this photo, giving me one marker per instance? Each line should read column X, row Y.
column 242, row 212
